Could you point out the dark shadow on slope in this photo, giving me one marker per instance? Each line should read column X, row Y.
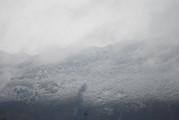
column 55, row 110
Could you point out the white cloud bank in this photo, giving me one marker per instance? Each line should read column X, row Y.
column 35, row 25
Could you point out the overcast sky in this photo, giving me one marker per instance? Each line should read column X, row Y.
column 31, row 26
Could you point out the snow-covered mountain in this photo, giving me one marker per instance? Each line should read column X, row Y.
column 126, row 72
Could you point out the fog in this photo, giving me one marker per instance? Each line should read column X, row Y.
column 38, row 25
column 117, row 58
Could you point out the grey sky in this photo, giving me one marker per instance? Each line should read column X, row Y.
column 32, row 26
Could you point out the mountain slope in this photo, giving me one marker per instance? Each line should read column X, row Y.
column 129, row 72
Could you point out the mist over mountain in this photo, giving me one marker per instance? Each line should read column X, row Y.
column 122, row 81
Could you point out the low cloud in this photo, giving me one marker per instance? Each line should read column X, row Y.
column 34, row 26
column 165, row 21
